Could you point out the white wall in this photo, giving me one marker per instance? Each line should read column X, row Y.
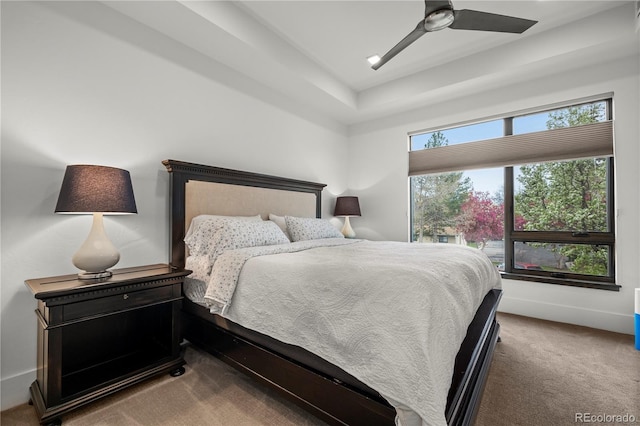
column 83, row 84
column 379, row 165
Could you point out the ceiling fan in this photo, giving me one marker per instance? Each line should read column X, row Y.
column 439, row 14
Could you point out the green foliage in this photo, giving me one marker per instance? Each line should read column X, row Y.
column 576, row 115
column 564, row 196
column 589, row 260
column 568, row 195
column 437, row 198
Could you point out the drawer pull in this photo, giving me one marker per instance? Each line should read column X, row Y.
column 125, row 297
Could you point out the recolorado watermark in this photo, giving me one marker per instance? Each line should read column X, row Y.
column 604, row 418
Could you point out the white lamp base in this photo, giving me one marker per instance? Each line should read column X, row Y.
column 94, row 275
column 347, row 231
column 97, row 253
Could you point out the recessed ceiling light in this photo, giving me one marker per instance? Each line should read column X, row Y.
column 373, row 59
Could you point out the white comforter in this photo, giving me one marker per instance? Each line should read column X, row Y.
column 391, row 314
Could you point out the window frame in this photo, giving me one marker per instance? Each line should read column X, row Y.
column 511, row 235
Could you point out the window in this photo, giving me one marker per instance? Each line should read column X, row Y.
column 537, row 198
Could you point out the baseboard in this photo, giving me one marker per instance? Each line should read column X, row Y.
column 610, row 321
column 15, row 390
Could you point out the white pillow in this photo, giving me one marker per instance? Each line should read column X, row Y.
column 279, row 220
column 215, row 236
column 306, row 228
column 197, row 220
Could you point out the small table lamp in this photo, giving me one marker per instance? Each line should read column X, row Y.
column 96, row 190
column 347, row 206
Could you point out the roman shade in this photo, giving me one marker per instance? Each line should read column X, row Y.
column 588, row 140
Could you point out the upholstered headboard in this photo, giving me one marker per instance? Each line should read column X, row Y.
column 199, row 189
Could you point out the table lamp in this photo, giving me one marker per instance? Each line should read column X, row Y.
column 347, row 206
column 97, row 190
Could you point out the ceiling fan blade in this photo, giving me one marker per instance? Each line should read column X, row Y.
column 418, row 32
column 482, row 21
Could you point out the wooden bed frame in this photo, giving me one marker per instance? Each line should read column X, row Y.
column 327, row 398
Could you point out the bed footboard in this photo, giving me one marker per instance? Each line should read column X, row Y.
column 330, row 399
column 322, row 396
column 473, row 362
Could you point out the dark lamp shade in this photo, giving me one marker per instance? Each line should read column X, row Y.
column 96, row 189
column 347, row 206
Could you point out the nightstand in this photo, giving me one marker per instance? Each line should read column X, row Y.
column 96, row 337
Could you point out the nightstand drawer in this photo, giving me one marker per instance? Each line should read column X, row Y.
column 120, row 302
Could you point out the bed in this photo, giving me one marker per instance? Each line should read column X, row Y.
column 322, row 385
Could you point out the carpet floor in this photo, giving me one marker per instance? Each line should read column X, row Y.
column 543, row 373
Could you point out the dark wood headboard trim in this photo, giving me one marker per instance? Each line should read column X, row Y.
column 182, row 172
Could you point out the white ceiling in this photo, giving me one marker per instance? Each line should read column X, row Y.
column 314, row 52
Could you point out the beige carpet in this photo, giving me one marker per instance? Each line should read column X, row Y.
column 543, row 373
column 547, row 373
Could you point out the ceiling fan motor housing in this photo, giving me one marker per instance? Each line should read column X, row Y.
column 439, row 19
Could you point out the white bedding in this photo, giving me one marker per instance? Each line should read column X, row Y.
column 391, row 314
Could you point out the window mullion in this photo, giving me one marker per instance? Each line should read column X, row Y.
column 509, row 221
